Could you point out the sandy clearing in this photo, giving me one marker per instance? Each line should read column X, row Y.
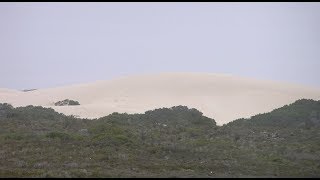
column 219, row 96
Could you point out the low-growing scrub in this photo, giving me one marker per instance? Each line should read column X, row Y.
column 166, row 142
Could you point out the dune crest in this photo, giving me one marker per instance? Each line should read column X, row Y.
column 222, row 97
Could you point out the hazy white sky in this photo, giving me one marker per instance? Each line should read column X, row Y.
column 53, row 44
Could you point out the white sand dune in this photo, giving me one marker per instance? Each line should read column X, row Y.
column 222, row 97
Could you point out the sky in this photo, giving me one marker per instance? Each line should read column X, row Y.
column 45, row 45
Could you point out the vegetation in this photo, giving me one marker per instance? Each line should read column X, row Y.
column 26, row 90
column 166, row 142
column 67, row 102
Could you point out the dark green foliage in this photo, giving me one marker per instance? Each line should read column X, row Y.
column 5, row 110
column 166, row 142
column 67, row 102
column 73, row 103
column 59, row 135
column 293, row 115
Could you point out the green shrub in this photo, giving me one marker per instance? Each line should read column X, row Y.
column 59, row 135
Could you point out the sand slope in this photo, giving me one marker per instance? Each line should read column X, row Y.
column 222, row 97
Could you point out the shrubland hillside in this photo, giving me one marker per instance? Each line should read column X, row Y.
column 167, row 142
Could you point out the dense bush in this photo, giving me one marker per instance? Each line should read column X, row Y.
column 165, row 142
column 67, row 102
